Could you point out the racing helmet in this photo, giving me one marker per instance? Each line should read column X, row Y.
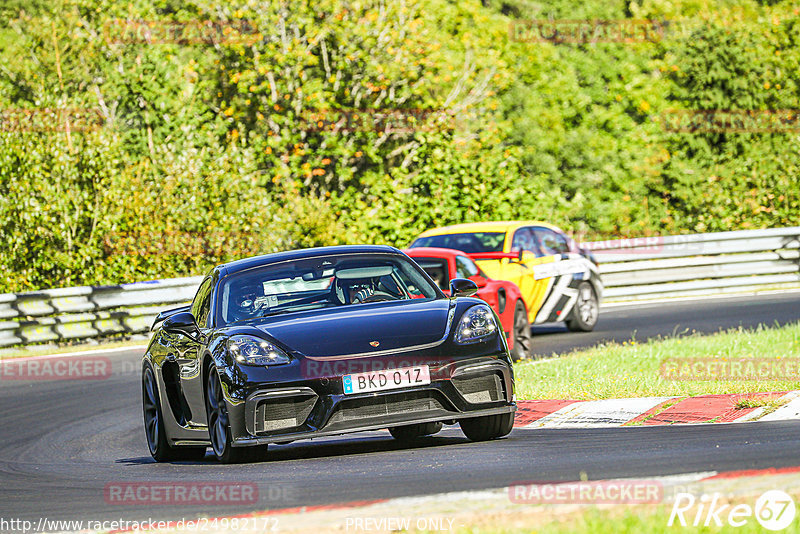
column 244, row 297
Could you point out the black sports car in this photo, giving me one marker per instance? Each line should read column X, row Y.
column 320, row 342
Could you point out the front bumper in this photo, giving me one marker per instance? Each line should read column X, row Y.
column 472, row 387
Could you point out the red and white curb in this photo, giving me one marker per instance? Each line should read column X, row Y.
column 650, row 411
column 790, row 410
column 504, row 500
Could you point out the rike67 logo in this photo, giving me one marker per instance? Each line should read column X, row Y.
column 774, row 510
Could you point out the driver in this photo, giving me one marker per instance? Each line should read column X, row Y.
column 243, row 301
column 437, row 275
column 361, row 292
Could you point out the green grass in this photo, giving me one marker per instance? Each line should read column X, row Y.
column 624, row 519
column 771, row 402
column 633, row 369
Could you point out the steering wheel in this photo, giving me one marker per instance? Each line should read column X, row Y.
column 260, row 307
column 378, row 296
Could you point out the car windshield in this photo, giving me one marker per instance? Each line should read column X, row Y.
column 470, row 243
column 320, row 282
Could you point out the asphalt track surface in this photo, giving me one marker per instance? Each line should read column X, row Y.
column 647, row 321
column 62, row 442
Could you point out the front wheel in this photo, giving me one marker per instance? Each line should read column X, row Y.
column 157, row 442
column 522, row 333
column 219, row 431
column 586, row 311
column 415, row 431
column 487, row 427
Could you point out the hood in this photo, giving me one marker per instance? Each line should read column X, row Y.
column 350, row 330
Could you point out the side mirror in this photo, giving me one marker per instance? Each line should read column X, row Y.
column 183, row 323
column 461, row 287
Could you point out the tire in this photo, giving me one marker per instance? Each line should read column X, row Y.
column 219, row 429
column 487, row 427
column 521, row 330
column 412, row 432
column 157, row 442
column 586, row 311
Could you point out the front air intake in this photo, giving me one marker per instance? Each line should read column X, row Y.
column 416, row 403
column 479, row 389
column 282, row 413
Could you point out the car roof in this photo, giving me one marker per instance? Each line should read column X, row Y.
column 498, row 226
column 266, row 259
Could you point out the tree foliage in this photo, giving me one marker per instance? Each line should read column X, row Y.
column 225, row 129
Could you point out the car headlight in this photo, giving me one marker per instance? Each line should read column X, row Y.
column 254, row 351
column 476, row 324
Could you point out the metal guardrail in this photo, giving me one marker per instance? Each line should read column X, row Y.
column 699, row 264
column 88, row 312
column 632, row 269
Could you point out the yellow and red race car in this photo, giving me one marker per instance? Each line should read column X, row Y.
column 558, row 279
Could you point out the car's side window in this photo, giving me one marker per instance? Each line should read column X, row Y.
column 201, row 305
column 437, row 269
column 465, row 268
column 551, row 242
column 524, row 240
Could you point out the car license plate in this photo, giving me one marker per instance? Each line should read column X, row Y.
column 386, row 379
